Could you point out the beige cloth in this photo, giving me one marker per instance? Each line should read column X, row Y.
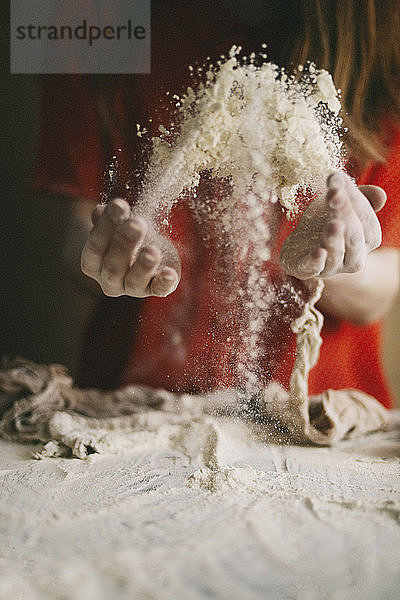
column 71, row 421
column 40, row 403
column 331, row 416
column 32, row 395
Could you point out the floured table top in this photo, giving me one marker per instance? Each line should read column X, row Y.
column 205, row 510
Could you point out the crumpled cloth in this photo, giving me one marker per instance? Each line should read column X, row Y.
column 39, row 403
column 32, row 395
column 329, row 417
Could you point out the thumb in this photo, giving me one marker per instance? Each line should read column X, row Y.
column 375, row 194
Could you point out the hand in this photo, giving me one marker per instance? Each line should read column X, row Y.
column 126, row 257
column 336, row 233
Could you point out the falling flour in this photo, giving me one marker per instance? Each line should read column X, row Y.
column 269, row 137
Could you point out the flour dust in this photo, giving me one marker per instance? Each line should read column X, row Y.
column 267, row 140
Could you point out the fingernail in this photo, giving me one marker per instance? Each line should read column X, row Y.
column 336, row 181
column 147, row 258
column 117, row 211
column 131, row 231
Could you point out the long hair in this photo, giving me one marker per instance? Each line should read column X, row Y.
column 359, row 44
column 357, row 41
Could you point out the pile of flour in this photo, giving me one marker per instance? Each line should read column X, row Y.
column 161, row 521
column 269, row 133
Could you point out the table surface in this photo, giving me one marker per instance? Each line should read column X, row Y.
column 256, row 521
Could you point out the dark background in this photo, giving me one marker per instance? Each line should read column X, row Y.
column 41, row 312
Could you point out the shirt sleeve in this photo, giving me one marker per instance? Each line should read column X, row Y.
column 387, row 176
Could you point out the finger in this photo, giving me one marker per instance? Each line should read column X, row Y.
column 365, row 209
column 97, row 212
column 164, row 282
column 138, row 278
column 100, row 236
column 336, row 181
column 124, row 246
column 333, row 240
column 376, row 195
column 340, row 196
column 365, row 201
column 308, row 266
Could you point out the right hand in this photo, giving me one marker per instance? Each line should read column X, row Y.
column 336, row 232
column 126, row 257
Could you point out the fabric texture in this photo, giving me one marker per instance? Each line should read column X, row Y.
column 40, row 403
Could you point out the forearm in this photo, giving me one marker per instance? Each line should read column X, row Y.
column 365, row 296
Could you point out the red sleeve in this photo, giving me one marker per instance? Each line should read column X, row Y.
column 387, row 176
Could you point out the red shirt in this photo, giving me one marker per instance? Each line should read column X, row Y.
column 184, row 341
column 351, row 355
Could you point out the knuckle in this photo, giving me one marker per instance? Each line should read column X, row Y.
column 355, row 239
column 334, row 259
column 110, row 272
column 119, row 243
column 110, row 277
column 108, row 290
column 93, row 245
column 131, row 231
column 353, row 266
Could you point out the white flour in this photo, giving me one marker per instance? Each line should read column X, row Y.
column 160, row 522
column 269, row 133
column 187, row 505
column 269, row 137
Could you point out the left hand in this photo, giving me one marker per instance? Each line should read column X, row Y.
column 127, row 256
column 335, row 233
